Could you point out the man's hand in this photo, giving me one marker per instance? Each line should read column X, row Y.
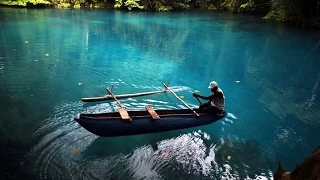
column 194, row 94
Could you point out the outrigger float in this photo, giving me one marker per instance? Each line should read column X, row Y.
column 125, row 122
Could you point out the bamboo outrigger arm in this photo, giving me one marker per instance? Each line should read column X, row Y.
column 109, row 97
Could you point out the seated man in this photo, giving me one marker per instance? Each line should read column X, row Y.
column 215, row 105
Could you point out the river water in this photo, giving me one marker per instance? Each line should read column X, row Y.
column 50, row 59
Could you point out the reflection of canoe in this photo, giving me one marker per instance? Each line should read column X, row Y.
column 109, row 97
column 111, row 124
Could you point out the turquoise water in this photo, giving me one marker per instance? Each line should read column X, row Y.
column 50, row 59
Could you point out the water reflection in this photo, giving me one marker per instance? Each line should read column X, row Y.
column 12, row 151
column 196, row 154
column 289, row 96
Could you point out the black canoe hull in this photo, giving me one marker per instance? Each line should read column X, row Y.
column 111, row 124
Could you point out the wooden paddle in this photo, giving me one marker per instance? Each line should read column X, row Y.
column 199, row 100
column 181, row 100
column 123, row 112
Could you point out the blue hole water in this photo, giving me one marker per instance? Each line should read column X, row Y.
column 50, row 59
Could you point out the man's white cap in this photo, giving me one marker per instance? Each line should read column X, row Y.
column 213, row 84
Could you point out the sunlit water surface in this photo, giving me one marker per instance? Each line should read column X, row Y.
column 50, row 59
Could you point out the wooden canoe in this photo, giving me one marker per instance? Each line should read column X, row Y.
column 109, row 97
column 111, row 124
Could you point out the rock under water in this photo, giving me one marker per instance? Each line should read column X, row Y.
column 309, row 169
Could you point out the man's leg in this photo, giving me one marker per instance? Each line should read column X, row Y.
column 204, row 105
column 213, row 110
column 217, row 111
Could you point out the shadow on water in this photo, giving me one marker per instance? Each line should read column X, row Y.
column 13, row 104
column 11, row 153
column 11, row 149
column 18, row 123
column 15, row 137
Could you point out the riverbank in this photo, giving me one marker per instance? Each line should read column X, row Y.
column 303, row 14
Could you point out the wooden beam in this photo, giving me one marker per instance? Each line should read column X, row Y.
column 123, row 112
column 153, row 114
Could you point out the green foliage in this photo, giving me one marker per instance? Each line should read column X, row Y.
column 161, row 6
column 284, row 10
column 208, row 4
column 279, row 15
column 180, row 5
column 68, row 3
column 229, row 5
column 63, row 5
column 55, row 3
column 130, row 4
column 249, row 6
column 118, row 4
column 235, row 5
column 212, row 7
column 23, row 2
column 278, row 11
column 281, row 10
column 77, row 6
column 295, row 11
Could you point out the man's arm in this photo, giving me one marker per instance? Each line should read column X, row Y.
column 203, row 97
